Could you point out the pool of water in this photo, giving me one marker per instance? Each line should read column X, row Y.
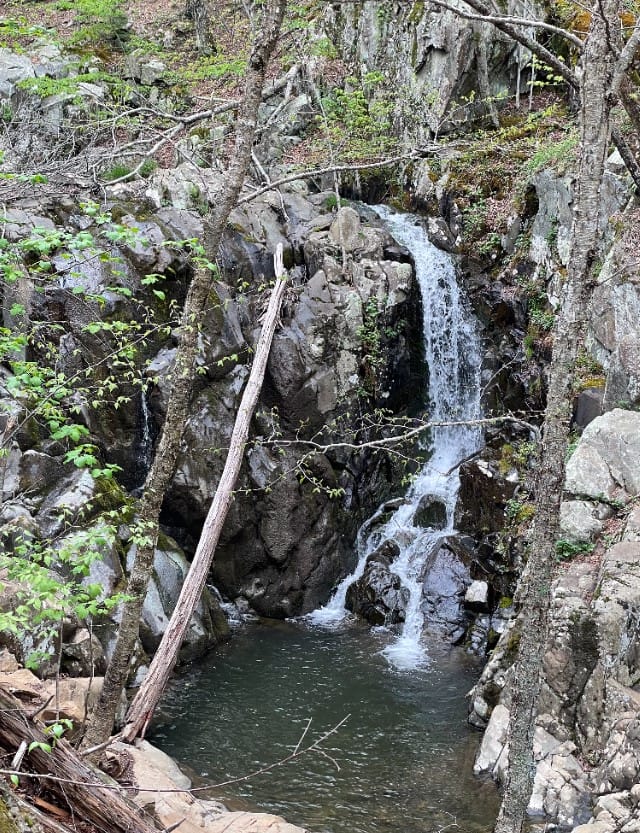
column 405, row 753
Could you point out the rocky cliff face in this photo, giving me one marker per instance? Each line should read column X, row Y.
column 432, row 56
column 348, row 341
column 586, row 736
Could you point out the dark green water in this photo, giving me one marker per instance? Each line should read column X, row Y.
column 405, row 753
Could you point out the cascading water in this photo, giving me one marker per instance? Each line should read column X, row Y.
column 145, row 446
column 453, row 358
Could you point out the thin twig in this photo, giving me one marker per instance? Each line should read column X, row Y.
column 297, row 753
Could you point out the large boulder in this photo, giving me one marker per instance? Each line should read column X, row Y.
column 483, row 496
column 431, row 513
column 607, row 457
column 163, row 792
column 378, row 595
column 208, row 625
column 443, row 590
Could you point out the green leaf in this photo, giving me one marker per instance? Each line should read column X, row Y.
column 37, row 744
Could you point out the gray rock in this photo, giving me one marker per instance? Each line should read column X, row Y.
column 588, row 474
column 66, row 500
column 83, row 656
column 608, row 455
column 440, row 234
column 632, row 528
column 623, row 375
column 589, row 405
column 484, row 492
column 477, row 595
column 185, row 187
column 10, row 473
column 13, row 69
column 578, row 522
column 208, row 624
column 147, row 251
column 493, row 742
column 346, row 230
column 143, row 68
column 443, row 591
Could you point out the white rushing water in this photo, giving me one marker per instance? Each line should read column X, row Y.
column 453, row 357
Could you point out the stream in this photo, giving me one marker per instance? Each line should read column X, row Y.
column 403, row 759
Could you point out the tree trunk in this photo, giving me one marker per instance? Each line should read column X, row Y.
column 150, row 692
column 182, row 379
column 198, row 11
column 76, row 786
column 597, row 65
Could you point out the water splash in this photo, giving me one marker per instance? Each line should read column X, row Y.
column 453, row 358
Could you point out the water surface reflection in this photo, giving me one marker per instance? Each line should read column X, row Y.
column 405, row 753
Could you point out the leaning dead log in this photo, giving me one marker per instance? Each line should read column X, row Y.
column 66, row 777
column 163, row 663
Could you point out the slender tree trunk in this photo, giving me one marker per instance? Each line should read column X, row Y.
column 198, row 11
column 164, row 660
column 182, row 380
column 597, row 66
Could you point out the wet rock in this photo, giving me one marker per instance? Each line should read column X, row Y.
column 378, row 595
column 431, row 513
column 385, row 553
column 292, row 549
column 440, row 234
column 482, row 498
column 443, row 591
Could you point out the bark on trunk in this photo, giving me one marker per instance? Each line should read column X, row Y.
column 183, row 376
column 198, row 11
column 535, row 586
column 163, row 663
column 78, row 787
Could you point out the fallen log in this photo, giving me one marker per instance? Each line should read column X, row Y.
column 76, row 785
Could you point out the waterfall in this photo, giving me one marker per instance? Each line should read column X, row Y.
column 453, row 358
column 145, row 446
